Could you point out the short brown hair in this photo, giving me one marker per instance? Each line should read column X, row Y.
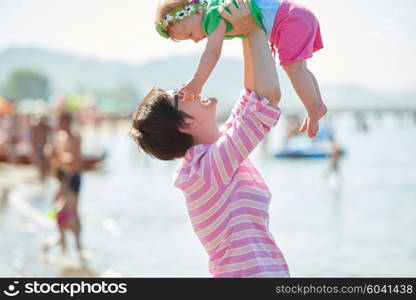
column 156, row 125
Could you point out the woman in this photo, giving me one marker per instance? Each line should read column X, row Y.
column 227, row 199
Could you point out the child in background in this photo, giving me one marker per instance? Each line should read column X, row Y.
column 64, row 211
column 292, row 30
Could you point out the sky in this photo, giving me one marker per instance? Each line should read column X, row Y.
column 370, row 43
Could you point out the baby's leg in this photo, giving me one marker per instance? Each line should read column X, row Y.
column 306, row 87
column 315, row 82
column 318, row 91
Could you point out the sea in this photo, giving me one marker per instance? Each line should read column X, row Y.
column 357, row 222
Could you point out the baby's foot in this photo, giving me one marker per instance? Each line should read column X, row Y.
column 311, row 121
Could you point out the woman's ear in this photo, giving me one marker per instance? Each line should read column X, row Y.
column 188, row 125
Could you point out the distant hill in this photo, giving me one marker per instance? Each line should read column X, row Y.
column 69, row 73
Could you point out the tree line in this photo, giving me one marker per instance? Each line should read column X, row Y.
column 31, row 84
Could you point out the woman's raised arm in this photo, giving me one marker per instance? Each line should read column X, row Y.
column 260, row 73
column 265, row 80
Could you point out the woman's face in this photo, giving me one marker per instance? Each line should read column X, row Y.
column 203, row 111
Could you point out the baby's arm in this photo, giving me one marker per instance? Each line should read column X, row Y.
column 211, row 53
column 207, row 62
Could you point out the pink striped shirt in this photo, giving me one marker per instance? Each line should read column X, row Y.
column 227, row 199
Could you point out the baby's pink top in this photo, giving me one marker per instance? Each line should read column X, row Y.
column 227, row 199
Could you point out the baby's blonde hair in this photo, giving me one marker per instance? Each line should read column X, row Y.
column 166, row 6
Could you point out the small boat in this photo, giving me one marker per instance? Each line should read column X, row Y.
column 89, row 162
column 301, row 154
column 300, row 146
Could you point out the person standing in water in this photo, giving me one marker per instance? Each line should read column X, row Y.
column 39, row 138
column 66, row 160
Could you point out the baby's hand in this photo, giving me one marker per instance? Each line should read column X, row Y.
column 191, row 90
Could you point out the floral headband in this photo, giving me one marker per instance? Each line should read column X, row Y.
column 179, row 14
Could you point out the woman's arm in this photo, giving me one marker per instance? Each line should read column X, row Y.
column 253, row 117
column 243, row 23
column 248, row 66
column 265, row 80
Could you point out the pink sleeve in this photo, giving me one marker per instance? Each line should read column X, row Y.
column 237, row 109
column 251, row 120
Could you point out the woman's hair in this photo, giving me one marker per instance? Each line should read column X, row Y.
column 156, row 125
column 166, row 6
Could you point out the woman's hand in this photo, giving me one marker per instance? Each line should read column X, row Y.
column 241, row 17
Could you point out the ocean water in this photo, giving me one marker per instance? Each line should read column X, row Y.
column 362, row 223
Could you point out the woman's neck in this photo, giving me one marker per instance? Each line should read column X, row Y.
column 206, row 135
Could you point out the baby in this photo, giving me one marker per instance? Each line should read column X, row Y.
column 292, row 30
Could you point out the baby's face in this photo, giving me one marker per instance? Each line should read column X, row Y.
column 188, row 29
